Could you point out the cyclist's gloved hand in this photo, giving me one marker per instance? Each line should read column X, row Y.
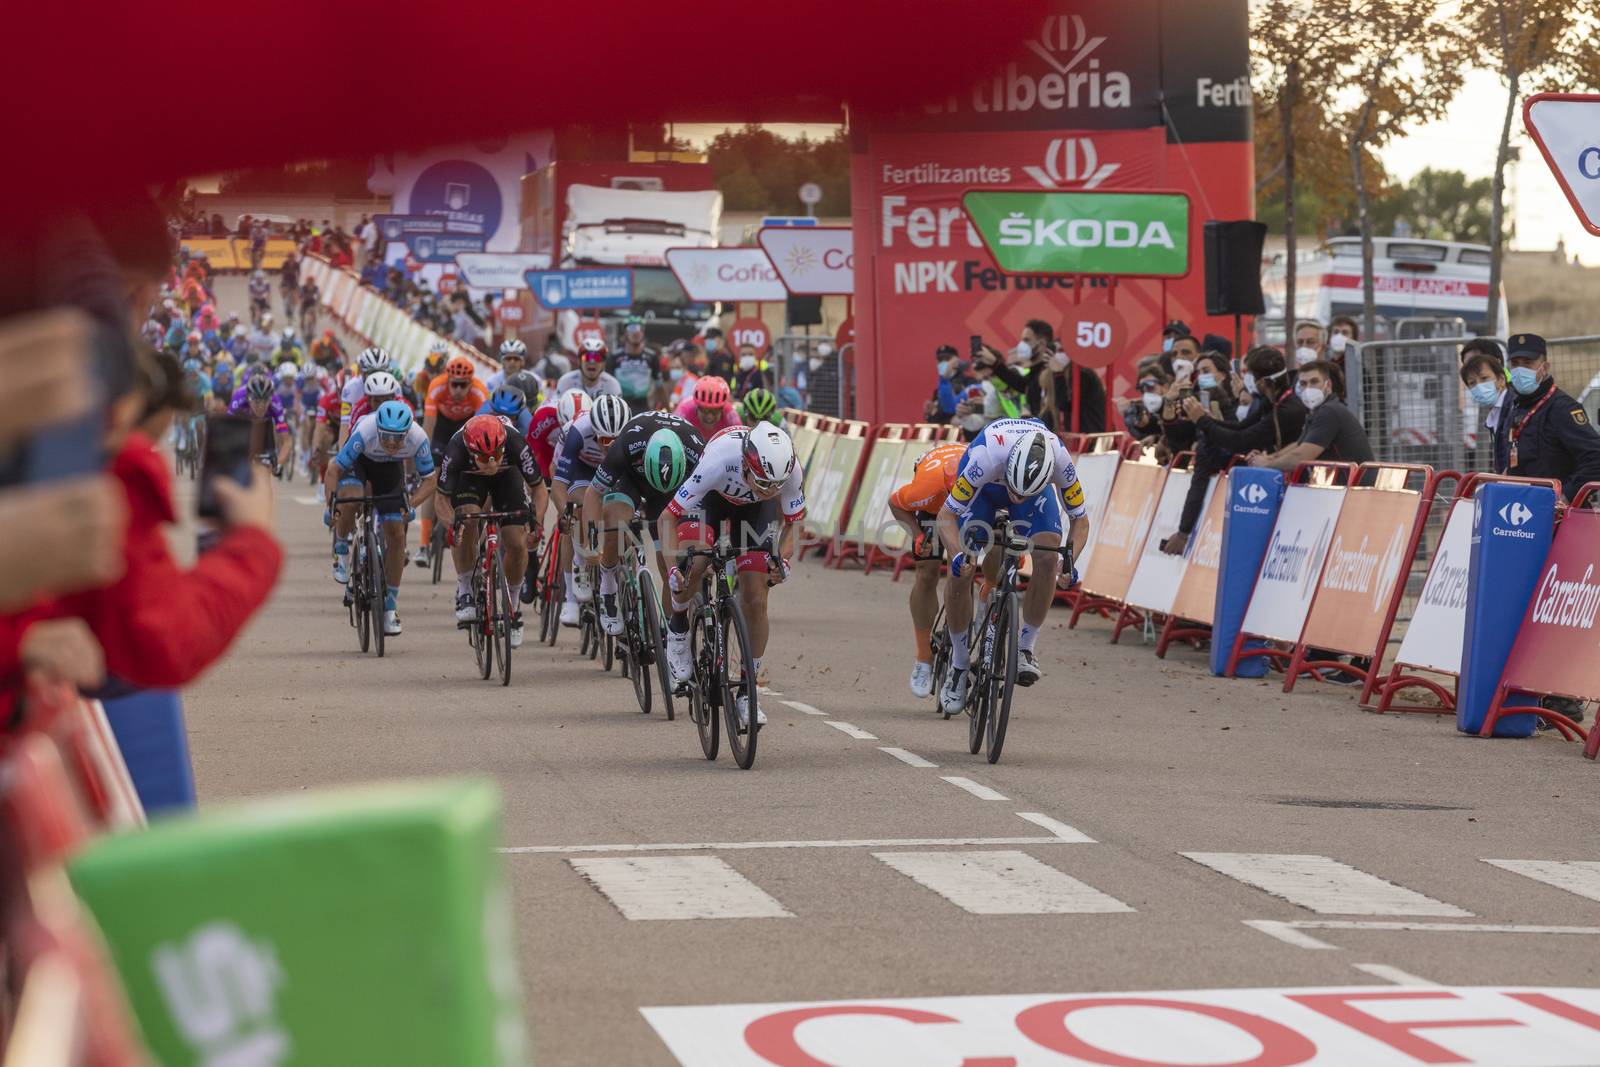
column 1075, row 579
column 676, row 580
column 958, row 565
column 778, row 571
column 327, row 517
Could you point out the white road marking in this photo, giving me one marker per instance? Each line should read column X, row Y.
column 1290, row 932
column 799, row 706
column 1057, row 827
column 740, row 846
column 1001, row 883
column 907, row 757
column 679, row 887
column 1581, row 877
column 1323, row 885
column 309, row 501
column 854, row 731
column 1392, row 974
column 982, row 792
column 764, row 691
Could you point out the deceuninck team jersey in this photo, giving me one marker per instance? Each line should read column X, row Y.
column 721, row 471
column 364, row 442
column 985, row 465
column 353, row 390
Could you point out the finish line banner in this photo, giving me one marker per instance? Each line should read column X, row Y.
column 1320, row 1026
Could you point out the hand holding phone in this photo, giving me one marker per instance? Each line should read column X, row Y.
column 975, row 345
column 227, row 456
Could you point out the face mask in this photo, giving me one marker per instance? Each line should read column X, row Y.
column 1152, row 402
column 676, row 373
column 1485, row 393
column 1182, row 367
column 815, row 361
column 1313, row 397
column 1166, row 344
column 946, row 367
column 1524, row 379
column 1338, row 342
column 713, row 343
column 747, row 362
column 1059, row 362
column 1024, row 350
column 1240, row 412
column 1250, row 383
column 1304, row 355
column 1207, row 381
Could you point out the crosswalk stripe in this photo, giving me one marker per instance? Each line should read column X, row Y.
column 678, row 887
column 982, row 792
column 1001, row 883
column 1581, row 877
column 854, row 731
column 1323, row 885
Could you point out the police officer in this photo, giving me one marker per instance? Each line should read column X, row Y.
column 1543, row 432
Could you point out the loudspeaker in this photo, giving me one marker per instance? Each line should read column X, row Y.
column 805, row 310
column 1233, row 267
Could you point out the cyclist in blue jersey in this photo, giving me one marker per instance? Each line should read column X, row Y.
column 1015, row 465
column 510, row 404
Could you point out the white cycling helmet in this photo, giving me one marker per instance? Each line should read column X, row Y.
column 1031, row 465
column 439, row 348
column 381, row 383
column 288, row 372
column 768, row 455
column 373, row 359
column 609, row 415
column 513, row 347
column 573, row 402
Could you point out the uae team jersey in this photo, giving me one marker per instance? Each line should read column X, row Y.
column 985, row 465
column 721, row 471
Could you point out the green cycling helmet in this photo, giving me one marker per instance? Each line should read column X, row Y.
column 760, row 406
column 664, row 461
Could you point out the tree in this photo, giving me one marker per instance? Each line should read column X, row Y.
column 1442, row 204
column 759, row 171
column 1535, row 45
column 1295, row 51
column 1407, row 65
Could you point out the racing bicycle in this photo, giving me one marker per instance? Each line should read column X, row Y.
column 363, row 593
column 724, row 666
column 490, row 633
column 643, row 642
column 593, row 641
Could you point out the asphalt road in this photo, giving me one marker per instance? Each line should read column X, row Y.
column 1149, row 827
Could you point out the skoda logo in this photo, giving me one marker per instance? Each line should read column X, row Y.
column 1515, row 513
column 1252, row 493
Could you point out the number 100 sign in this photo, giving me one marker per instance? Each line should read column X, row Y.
column 1094, row 334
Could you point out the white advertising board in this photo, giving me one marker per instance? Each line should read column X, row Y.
column 1439, row 623
column 1293, row 562
column 1155, row 581
column 731, row 274
column 812, row 260
column 1095, row 475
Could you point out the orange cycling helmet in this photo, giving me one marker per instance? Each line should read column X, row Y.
column 484, row 435
column 459, row 367
column 711, row 393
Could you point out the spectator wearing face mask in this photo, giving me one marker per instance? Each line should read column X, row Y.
column 749, row 373
column 1054, row 384
column 1543, row 432
column 719, row 361
column 1343, row 333
column 1308, row 342
column 822, row 380
column 1331, row 433
column 1171, row 332
column 1142, row 415
column 940, row 408
column 1010, row 385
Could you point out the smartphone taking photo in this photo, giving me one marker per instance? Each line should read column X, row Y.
column 227, row 456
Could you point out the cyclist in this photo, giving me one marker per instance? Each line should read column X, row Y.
column 746, row 480
column 488, row 465
column 759, row 405
column 370, row 361
column 591, row 374
column 326, row 351
column 1016, row 465
column 509, row 403
column 916, row 506
column 636, row 367
column 638, row 476
column 289, row 283
column 289, row 350
column 513, row 357
column 550, row 423
column 327, row 433
column 378, row 388
column 450, row 401
column 258, row 398
column 260, row 295
column 710, row 408
column 258, row 243
column 583, row 447
column 432, row 367
column 310, row 303
column 372, row 462
column 528, row 384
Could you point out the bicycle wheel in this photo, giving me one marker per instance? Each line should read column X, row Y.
column 357, row 584
column 737, row 657
column 630, row 649
column 608, row 645
column 375, row 588
column 941, row 655
column 436, row 548
column 488, row 617
column 587, row 645
column 654, row 650
column 980, row 676
column 705, row 718
column 1003, row 680
column 553, row 591
column 501, row 634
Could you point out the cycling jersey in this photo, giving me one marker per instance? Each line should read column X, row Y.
column 621, row 471
column 690, row 410
column 353, row 391
column 604, row 384
column 326, row 352
column 984, row 466
column 523, row 422
column 362, row 408
column 930, row 483
column 424, row 379
column 328, row 408
column 240, row 405
column 449, row 406
column 364, row 442
column 544, row 435
column 260, row 289
column 457, row 465
column 580, row 453
column 636, row 373
column 222, row 383
column 721, row 471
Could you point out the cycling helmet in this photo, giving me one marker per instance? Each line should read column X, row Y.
column 259, row 388
column 459, row 368
column 394, row 417
column 508, row 401
column 513, row 347
column 194, row 337
column 381, row 383
column 573, row 402
column 484, row 435
column 664, row 461
column 527, row 383
column 760, row 406
column 191, row 366
column 608, row 416
column 711, row 392
column 439, row 348
column 1031, row 464
column 373, row 359
column 288, row 372
column 288, row 335
column 593, row 350
column 768, row 456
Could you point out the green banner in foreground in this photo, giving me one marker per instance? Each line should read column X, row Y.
column 1083, row 232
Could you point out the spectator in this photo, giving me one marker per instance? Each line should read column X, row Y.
column 552, row 365
column 1171, row 332
column 980, row 403
column 823, row 392
column 940, row 408
column 692, row 362
column 1308, row 342
column 1487, row 346
column 1543, row 432
column 1332, row 432
column 1485, row 378
column 1009, row 385
column 367, row 238
column 1055, row 384
column 719, row 361
column 1142, row 415
column 751, row 372
column 1342, row 333
column 466, row 322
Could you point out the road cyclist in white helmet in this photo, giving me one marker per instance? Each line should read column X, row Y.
column 371, row 361
column 513, row 358
column 583, row 449
column 1019, row 466
column 591, row 375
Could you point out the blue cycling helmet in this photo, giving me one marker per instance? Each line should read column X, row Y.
column 191, row 366
column 393, row 417
column 508, row 401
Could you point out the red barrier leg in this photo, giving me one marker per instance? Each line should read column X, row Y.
column 1296, row 665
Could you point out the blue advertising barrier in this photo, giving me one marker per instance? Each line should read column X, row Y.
column 1254, row 496
column 1512, row 526
column 148, row 726
column 559, row 290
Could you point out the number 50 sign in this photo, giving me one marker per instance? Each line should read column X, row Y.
column 1094, row 334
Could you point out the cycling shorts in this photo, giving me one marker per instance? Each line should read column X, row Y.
column 753, row 529
column 1039, row 514
column 501, row 491
column 645, row 500
column 580, row 476
column 385, row 479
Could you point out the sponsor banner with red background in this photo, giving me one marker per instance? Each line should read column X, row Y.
column 1556, row 651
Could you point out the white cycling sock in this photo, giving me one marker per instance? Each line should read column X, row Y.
column 1027, row 636
column 608, row 580
column 572, row 591
column 960, row 658
column 463, row 584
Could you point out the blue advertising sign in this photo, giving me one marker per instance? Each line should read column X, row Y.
column 560, row 290
column 1512, row 526
column 1254, row 496
column 396, row 227
column 462, row 193
column 788, row 220
column 443, row 247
